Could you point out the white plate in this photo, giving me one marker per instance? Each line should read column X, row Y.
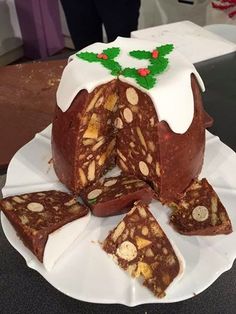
column 86, row 273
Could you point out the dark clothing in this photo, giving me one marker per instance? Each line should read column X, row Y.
column 85, row 19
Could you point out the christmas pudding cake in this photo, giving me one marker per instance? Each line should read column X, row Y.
column 133, row 103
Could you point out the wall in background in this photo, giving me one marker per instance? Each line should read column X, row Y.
column 10, row 34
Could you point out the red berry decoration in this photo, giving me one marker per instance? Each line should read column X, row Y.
column 143, row 71
column 155, row 54
column 102, row 56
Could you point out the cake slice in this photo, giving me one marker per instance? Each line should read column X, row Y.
column 116, row 195
column 47, row 222
column 200, row 211
column 139, row 246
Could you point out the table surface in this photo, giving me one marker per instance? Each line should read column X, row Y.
column 22, row 290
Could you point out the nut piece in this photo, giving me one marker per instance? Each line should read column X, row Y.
column 118, row 123
column 149, row 158
column 121, row 155
column 94, row 193
column 82, row 176
column 132, row 96
column 214, row 204
column 127, row 251
column 35, row 207
column 123, row 165
column 158, row 170
column 142, row 212
column 200, row 213
column 71, row 202
column 94, row 100
column 98, row 144
column 91, row 171
column 141, row 138
column 18, row 200
column 118, row 231
column 102, row 159
column 143, row 168
column 110, row 182
column 128, row 115
column 99, row 102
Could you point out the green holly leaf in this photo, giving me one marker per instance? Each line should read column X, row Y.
column 88, row 56
column 146, row 81
column 112, row 52
column 130, row 72
column 111, row 65
column 165, row 49
column 158, row 65
column 140, row 54
column 92, row 201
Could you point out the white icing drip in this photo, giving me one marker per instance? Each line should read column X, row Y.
column 59, row 240
column 172, row 95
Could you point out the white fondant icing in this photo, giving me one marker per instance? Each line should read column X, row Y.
column 59, row 240
column 172, row 95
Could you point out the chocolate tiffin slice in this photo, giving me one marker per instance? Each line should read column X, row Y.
column 47, row 222
column 200, row 211
column 139, row 245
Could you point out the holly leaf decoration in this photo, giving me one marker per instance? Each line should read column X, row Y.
column 112, row 52
column 165, row 49
column 88, row 56
column 158, row 65
column 130, row 72
column 146, row 81
column 112, row 65
column 140, row 54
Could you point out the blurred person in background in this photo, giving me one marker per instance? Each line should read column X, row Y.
column 86, row 17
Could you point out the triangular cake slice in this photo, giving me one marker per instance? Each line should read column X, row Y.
column 47, row 222
column 116, row 195
column 200, row 211
column 139, row 246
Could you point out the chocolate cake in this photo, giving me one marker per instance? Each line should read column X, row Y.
column 200, row 211
column 141, row 109
column 139, row 246
column 35, row 217
column 116, row 195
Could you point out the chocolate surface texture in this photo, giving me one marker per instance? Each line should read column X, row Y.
column 118, row 122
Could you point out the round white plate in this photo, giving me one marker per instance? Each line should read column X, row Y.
column 86, row 273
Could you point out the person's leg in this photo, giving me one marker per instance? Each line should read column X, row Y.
column 83, row 21
column 120, row 17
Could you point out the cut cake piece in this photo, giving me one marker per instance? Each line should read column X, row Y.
column 139, row 246
column 47, row 222
column 116, row 195
column 200, row 211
